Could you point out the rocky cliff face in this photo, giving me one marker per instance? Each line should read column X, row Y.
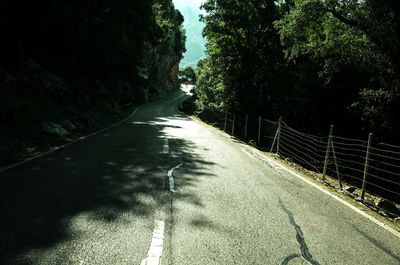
column 162, row 65
column 85, row 63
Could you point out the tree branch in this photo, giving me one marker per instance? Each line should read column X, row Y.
column 345, row 20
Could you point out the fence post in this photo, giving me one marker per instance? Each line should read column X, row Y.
column 245, row 128
column 259, row 130
column 366, row 167
column 279, row 135
column 226, row 116
column 278, row 132
column 327, row 153
column 337, row 165
column 233, row 123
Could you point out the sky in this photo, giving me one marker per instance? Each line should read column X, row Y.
column 195, row 43
column 180, row 4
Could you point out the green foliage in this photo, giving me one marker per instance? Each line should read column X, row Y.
column 357, row 37
column 208, row 91
column 374, row 108
column 335, row 32
column 187, row 75
column 312, row 61
column 244, row 52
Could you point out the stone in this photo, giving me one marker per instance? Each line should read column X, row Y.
column 114, row 110
column 67, row 125
column 128, row 105
column 388, row 206
column 350, row 189
column 99, row 84
column 289, row 159
column 53, row 129
column 33, row 65
column 86, row 120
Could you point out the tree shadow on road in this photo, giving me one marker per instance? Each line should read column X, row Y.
column 106, row 176
column 378, row 244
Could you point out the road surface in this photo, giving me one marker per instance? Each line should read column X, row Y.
column 161, row 185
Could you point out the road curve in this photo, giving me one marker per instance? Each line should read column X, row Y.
column 97, row 202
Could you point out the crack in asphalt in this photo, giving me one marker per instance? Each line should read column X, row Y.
column 304, row 252
column 289, row 258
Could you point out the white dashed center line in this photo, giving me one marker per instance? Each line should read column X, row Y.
column 165, row 147
column 156, row 246
column 171, row 178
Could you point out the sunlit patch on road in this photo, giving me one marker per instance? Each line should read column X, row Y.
column 187, row 89
column 142, row 123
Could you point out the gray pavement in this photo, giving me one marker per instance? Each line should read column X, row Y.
column 96, row 201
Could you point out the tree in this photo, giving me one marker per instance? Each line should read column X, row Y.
column 187, row 75
column 311, row 61
column 244, row 51
column 356, row 44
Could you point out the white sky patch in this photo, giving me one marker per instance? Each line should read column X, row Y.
column 198, row 2
column 180, row 4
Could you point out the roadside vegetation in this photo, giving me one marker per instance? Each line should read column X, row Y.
column 314, row 62
column 187, row 76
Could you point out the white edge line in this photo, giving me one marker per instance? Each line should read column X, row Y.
column 369, row 217
column 67, row 144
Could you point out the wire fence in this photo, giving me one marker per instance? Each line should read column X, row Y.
column 366, row 167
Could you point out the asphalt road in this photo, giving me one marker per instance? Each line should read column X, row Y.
column 97, row 202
